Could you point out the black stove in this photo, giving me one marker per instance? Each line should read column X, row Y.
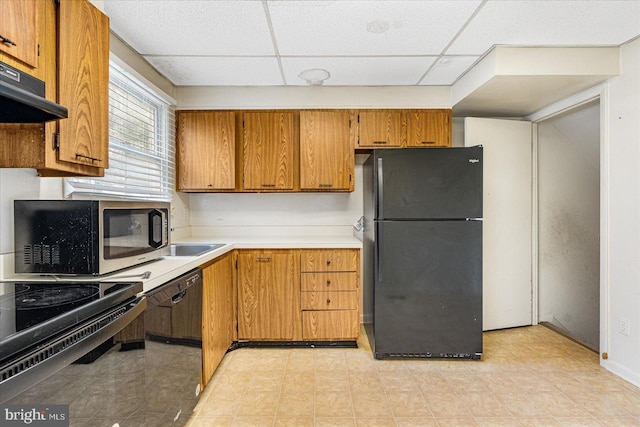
column 41, row 320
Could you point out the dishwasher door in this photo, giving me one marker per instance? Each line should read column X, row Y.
column 173, row 350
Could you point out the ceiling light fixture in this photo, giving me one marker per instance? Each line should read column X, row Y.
column 315, row 76
column 378, row 26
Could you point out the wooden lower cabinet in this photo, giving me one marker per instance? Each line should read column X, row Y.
column 329, row 294
column 217, row 313
column 268, row 295
column 330, row 325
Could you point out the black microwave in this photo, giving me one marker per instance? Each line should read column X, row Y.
column 87, row 236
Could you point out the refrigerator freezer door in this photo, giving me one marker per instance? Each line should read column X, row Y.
column 428, row 289
column 434, row 183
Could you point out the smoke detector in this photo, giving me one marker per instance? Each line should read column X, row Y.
column 315, row 76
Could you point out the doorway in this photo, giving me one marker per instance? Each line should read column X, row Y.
column 568, row 150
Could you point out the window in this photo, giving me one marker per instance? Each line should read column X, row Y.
column 141, row 144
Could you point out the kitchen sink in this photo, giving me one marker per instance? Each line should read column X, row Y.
column 192, row 249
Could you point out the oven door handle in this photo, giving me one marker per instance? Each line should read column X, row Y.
column 50, row 357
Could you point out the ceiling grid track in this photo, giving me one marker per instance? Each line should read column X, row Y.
column 451, row 42
column 267, row 15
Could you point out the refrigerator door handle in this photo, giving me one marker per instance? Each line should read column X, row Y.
column 378, row 252
column 379, row 189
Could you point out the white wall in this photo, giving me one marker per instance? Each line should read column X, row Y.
column 621, row 222
column 278, row 214
column 569, row 223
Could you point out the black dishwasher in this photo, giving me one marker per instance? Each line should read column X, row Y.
column 173, row 349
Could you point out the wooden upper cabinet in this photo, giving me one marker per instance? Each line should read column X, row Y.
column 326, row 151
column 380, row 129
column 268, row 298
column 429, row 128
column 205, row 150
column 83, row 83
column 19, row 30
column 268, row 151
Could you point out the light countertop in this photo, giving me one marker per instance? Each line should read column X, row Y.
column 167, row 268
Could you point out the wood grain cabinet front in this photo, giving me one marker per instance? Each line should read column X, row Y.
column 206, row 151
column 326, row 151
column 329, row 285
column 268, row 295
column 429, row 128
column 19, row 30
column 268, row 151
column 217, row 313
column 381, row 129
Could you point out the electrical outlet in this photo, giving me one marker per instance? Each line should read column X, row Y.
column 624, row 326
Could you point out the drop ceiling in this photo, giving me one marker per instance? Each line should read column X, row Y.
column 360, row 43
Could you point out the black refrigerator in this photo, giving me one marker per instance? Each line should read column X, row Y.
column 422, row 253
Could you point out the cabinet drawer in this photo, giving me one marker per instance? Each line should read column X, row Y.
column 329, row 300
column 347, row 281
column 330, row 325
column 332, row 260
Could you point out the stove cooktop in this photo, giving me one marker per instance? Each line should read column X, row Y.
column 33, row 311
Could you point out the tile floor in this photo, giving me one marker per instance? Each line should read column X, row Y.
column 528, row 377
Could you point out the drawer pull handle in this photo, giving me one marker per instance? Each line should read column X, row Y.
column 328, row 301
column 379, row 142
column 427, row 142
column 328, row 282
column 263, row 259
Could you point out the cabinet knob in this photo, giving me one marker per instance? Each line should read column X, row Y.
column 328, row 262
column 328, row 282
column 328, row 301
column 210, row 185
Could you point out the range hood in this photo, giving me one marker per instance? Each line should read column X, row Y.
column 22, row 99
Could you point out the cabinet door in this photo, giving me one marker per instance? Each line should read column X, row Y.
column 431, row 128
column 267, row 305
column 380, row 129
column 217, row 314
column 206, row 150
column 268, row 151
column 326, row 154
column 83, row 83
column 19, row 30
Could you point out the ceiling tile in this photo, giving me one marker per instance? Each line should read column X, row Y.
column 549, row 23
column 218, row 71
column 448, row 69
column 335, row 28
column 164, row 27
column 363, row 71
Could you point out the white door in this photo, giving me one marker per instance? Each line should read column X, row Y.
column 507, row 284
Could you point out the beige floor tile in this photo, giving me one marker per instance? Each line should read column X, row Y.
column 258, row 404
column 416, row 422
column 212, row 421
column 294, row 422
column 447, row 406
column 484, row 405
column 578, row 422
column 296, row 405
column 619, row 421
column 333, row 404
column 530, row 376
column 408, row 405
column 538, row 422
column 497, row 422
column 253, row 422
column 375, row 422
column 335, row 422
column 374, row 405
column 456, row 422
